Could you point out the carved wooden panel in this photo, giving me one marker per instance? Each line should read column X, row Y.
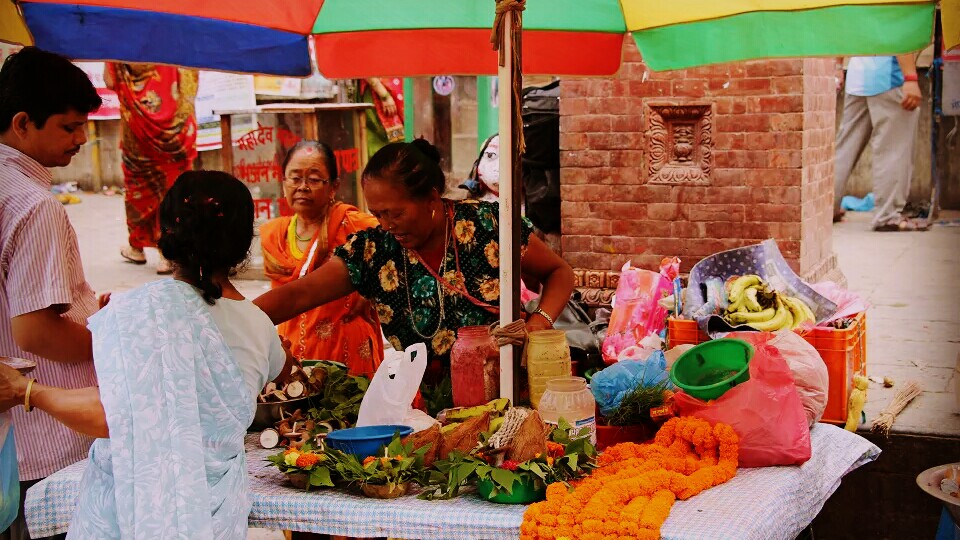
column 679, row 143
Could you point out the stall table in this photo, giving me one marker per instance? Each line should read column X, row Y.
column 758, row 504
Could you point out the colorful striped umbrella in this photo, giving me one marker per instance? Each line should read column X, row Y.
column 427, row 37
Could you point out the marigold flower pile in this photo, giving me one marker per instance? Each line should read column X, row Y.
column 630, row 494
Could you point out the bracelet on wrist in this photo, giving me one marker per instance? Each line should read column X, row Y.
column 543, row 314
column 911, row 78
column 26, row 396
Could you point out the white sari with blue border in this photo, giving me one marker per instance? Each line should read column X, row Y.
column 177, row 409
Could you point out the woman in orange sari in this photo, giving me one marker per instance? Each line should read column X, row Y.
column 158, row 131
column 345, row 330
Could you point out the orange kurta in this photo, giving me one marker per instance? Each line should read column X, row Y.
column 327, row 332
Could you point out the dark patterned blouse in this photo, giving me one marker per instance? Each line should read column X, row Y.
column 413, row 306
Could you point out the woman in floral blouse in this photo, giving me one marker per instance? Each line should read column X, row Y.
column 431, row 267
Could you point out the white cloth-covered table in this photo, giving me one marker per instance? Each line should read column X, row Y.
column 758, row 504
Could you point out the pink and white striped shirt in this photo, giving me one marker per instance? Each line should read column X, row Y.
column 40, row 267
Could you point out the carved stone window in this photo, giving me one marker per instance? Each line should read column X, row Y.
column 679, row 143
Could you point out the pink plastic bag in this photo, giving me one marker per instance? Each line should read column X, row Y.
column 637, row 312
column 809, row 372
column 848, row 303
column 764, row 411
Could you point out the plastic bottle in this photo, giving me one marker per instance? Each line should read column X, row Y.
column 474, row 367
column 547, row 357
column 570, row 399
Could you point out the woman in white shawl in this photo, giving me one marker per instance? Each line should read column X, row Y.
column 180, row 362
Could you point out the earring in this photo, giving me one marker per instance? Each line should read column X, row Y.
column 433, row 215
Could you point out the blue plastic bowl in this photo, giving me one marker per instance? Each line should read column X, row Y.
column 364, row 441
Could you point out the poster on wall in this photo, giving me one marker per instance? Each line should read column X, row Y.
column 266, row 85
column 110, row 109
column 223, row 91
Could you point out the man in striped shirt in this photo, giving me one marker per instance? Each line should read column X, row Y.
column 44, row 103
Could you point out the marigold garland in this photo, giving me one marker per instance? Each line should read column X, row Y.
column 631, row 493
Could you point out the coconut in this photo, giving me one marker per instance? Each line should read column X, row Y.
column 465, row 436
column 423, row 438
column 530, row 440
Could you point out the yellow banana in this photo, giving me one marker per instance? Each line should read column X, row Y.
column 797, row 310
column 756, row 317
column 740, row 284
column 781, row 319
column 810, row 315
column 750, row 299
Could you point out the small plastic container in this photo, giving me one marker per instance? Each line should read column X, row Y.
column 570, row 398
column 708, row 370
column 474, row 367
column 547, row 357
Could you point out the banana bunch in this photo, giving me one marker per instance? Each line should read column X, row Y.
column 754, row 304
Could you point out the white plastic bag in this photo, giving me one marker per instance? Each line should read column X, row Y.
column 388, row 400
column 809, row 372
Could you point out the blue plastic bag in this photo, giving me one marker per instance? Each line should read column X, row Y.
column 9, row 477
column 612, row 384
column 856, row 204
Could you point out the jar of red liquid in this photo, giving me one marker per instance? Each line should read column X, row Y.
column 474, row 367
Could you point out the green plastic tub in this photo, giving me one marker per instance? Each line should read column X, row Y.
column 708, row 370
column 526, row 491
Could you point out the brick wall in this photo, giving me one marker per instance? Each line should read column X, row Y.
column 771, row 173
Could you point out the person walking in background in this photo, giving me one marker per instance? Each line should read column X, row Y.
column 158, row 141
column 385, row 120
column 882, row 100
column 44, row 103
column 346, row 330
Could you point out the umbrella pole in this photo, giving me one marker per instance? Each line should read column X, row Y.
column 510, row 198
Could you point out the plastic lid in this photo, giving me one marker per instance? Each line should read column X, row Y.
column 567, row 384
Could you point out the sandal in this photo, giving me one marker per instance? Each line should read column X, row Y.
column 133, row 255
column 904, row 225
column 164, row 267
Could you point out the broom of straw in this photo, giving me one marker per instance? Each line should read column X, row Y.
column 903, row 397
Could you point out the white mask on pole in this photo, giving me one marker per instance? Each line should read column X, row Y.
column 489, row 167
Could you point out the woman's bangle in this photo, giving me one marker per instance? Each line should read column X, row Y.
column 26, row 395
column 543, row 314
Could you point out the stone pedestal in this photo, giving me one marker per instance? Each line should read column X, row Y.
column 697, row 161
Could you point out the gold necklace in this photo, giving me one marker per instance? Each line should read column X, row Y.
column 406, row 277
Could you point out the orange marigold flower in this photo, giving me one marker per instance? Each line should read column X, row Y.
column 555, row 449
column 631, row 494
column 367, row 460
column 306, row 460
column 556, row 490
